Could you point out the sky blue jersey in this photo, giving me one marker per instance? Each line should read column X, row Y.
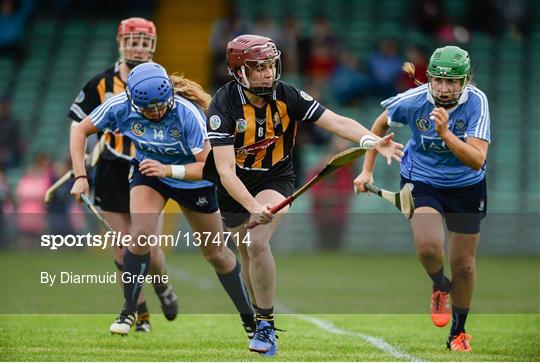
column 427, row 158
column 176, row 139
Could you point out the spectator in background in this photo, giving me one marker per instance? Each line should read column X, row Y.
column 384, row 67
column 59, row 207
column 13, row 17
column 321, row 51
column 265, row 26
column 516, row 14
column 485, row 16
column 7, row 207
column 291, row 47
column 417, row 56
column 11, row 147
column 31, row 216
column 330, row 202
column 346, row 82
column 224, row 30
column 427, row 15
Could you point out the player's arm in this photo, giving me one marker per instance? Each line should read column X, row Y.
column 349, row 129
column 226, row 167
column 77, row 145
column 380, row 128
column 471, row 152
column 191, row 171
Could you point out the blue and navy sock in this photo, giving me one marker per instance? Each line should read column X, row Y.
column 135, row 265
column 233, row 283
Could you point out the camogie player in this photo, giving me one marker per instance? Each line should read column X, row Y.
column 167, row 125
column 252, row 127
column 136, row 44
column 445, row 160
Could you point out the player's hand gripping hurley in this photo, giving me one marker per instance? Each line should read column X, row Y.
column 88, row 203
column 90, row 160
column 337, row 161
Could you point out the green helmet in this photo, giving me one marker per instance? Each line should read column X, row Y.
column 449, row 62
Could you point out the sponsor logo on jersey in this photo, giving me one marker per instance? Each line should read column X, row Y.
column 138, row 129
column 175, row 133
column 241, row 125
column 258, row 146
column 305, row 96
column 80, row 97
column 201, row 201
column 423, row 124
column 215, row 122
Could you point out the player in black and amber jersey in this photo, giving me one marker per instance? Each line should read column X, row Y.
column 136, row 44
column 252, row 126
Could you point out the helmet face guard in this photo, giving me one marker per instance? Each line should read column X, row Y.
column 137, row 40
column 448, row 63
column 150, row 91
column 250, row 54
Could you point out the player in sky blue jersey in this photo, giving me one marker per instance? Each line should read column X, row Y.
column 445, row 160
column 169, row 134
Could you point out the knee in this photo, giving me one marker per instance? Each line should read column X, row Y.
column 464, row 270
column 258, row 248
column 216, row 258
column 426, row 249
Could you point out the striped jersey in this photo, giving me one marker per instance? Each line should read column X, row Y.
column 427, row 159
column 100, row 88
column 175, row 140
column 262, row 138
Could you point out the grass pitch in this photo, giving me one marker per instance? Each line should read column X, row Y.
column 350, row 300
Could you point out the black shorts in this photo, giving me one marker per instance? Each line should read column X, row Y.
column 463, row 208
column 281, row 179
column 203, row 200
column 112, row 186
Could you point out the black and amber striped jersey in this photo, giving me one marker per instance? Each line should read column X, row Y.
column 103, row 86
column 262, row 138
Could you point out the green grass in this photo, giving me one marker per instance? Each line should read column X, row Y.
column 384, row 296
column 220, row 338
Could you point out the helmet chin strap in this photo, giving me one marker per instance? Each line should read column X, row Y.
column 254, row 90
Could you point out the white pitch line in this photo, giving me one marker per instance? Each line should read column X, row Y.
column 379, row 343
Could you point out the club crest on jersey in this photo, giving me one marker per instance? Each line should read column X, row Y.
column 215, row 122
column 241, row 125
column 201, row 202
column 277, row 119
column 138, row 129
column 460, row 125
column 305, row 96
column 175, row 133
column 80, row 97
column 423, row 124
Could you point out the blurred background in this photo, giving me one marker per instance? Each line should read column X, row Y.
column 345, row 53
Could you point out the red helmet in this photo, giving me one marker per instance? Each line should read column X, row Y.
column 248, row 51
column 136, row 34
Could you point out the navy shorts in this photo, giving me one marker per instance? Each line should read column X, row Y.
column 234, row 214
column 463, row 208
column 202, row 200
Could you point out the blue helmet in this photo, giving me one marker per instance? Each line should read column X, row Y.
column 149, row 87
